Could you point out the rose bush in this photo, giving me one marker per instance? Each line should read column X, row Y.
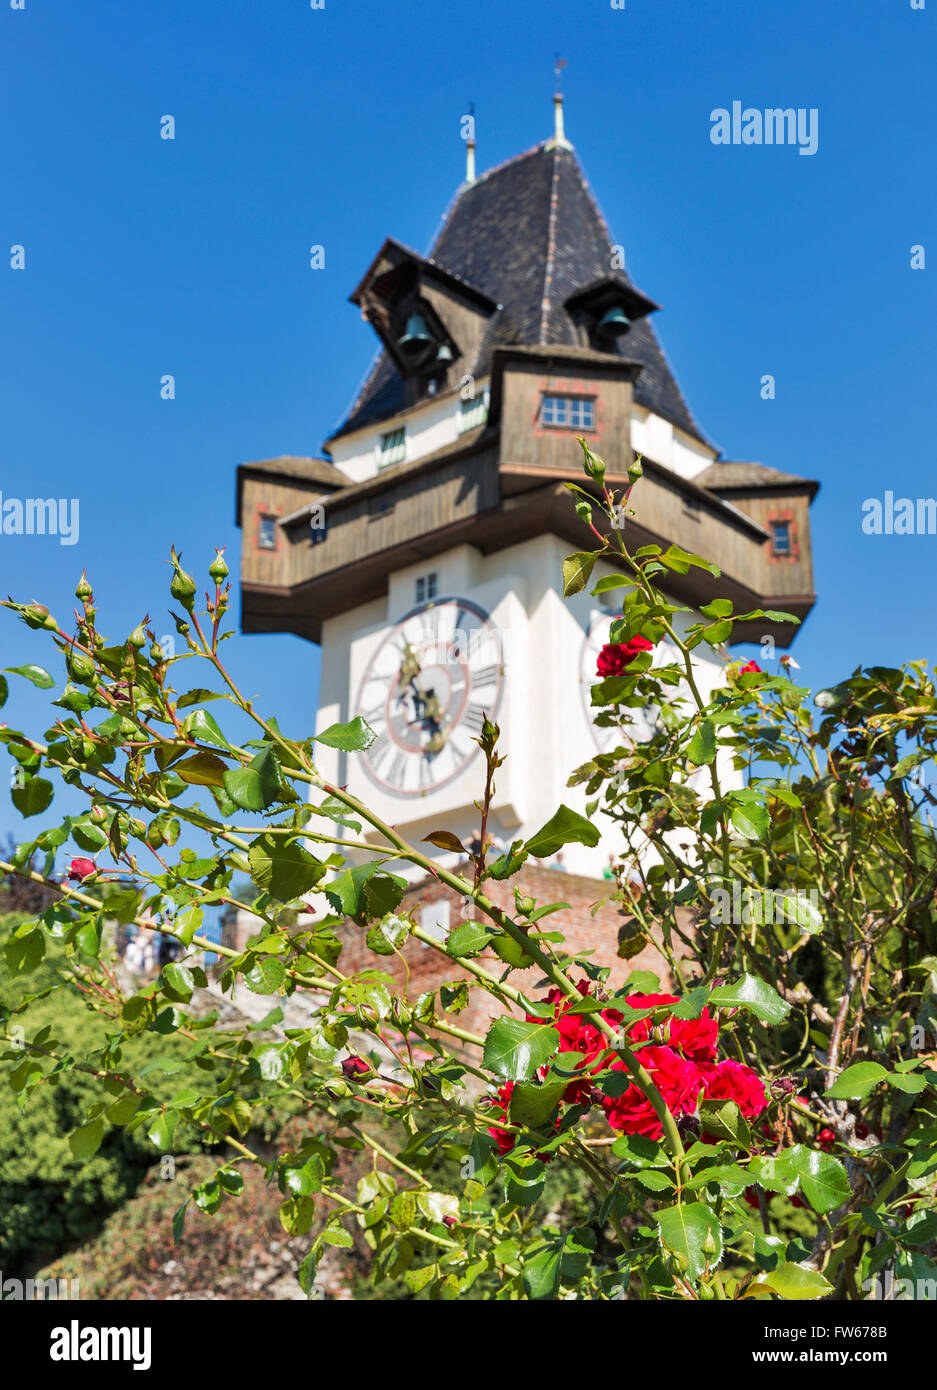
column 788, row 1060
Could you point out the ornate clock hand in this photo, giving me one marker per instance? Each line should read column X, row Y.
column 438, row 740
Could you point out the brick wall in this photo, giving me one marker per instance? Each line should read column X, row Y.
column 584, row 930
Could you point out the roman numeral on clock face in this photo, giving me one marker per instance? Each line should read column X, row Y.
column 378, row 748
column 473, row 719
column 485, row 675
column 395, row 772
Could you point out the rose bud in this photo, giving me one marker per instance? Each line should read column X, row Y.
column 218, row 569
column 449, row 1221
column 355, row 1066
column 137, row 638
column 781, row 1087
column 79, row 666
column 524, row 904
column 83, row 588
column 80, row 869
column 182, row 586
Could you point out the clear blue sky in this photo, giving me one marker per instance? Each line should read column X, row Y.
column 339, row 126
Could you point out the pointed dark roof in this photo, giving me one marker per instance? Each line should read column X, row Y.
column 528, row 234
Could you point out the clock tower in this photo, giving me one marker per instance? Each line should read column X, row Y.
column 424, row 550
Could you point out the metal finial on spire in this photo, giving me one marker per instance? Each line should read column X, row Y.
column 559, row 134
column 468, row 131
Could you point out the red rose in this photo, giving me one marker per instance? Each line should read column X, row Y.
column 677, row 1080
column 615, row 657
column 693, row 1038
column 750, row 666
column 731, row 1081
column 826, row 1138
column 502, row 1137
column 355, row 1066
column 578, row 1034
column 80, row 869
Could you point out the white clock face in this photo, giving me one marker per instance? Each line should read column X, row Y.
column 426, row 692
column 643, row 721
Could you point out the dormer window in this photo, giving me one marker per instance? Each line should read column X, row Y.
column 781, row 538
column 267, row 533
column 568, row 412
column 606, row 309
column 393, row 448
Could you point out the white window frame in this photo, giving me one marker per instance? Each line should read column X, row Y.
column 565, row 412
column 426, row 587
column 267, row 520
column 392, row 448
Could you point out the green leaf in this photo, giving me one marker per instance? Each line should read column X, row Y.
column 282, row 867
column 32, row 798
column 202, row 770
column 179, row 982
column 532, row 1103
column 793, row 1281
column 266, row 976
column 24, row 953
column 774, row 1172
column 612, row 581
column 468, row 939
column 197, row 697
column 365, row 892
column 911, row 1083
column 679, row 560
column 578, row 1249
column 702, row 746
column 388, row 935
column 640, row 1152
column 259, row 785
column 654, row 1180
column 823, row 1178
column 563, row 828
column 750, row 820
column 542, row 1273
column 576, row 571
column 692, row 1235
column 754, row 994
column 85, row 1141
column 723, row 1120
column 4, row 690
column 718, row 608
column 856, row 1082
column 353, row 737
column 201, row 727
column 515, row 1048
column 37, row 674
column 507, row 864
